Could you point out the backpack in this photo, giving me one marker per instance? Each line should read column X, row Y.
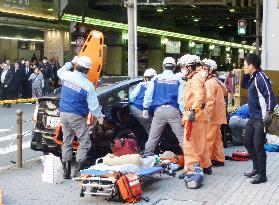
column 129, row 187
column 125, row 143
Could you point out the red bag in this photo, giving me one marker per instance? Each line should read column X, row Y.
column 240, row 156
column 130, row 188
column 125, row 145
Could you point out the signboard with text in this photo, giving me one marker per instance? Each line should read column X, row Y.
column 37, row 8
column 173, row 47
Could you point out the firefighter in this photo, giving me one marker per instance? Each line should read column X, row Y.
column 165, row 94
column 78, row 98
column 195, row 116
column 136, row 99
column 216, row 108
column 183, row 71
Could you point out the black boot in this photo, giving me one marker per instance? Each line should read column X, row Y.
column 207, row 170
column 67, row 169
column 251, row 174
column 259, row 179
column 79, row 166
column 216, row 163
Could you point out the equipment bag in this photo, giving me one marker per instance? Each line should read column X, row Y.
column 240, row 156
column 125, row 145
column 130, row 189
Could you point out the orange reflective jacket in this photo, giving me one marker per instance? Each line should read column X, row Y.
column 215, row 105
column 195, row 97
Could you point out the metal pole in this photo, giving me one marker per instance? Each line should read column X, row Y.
column 136, row 37
column 131, row 40
column 19, row 137
column 257, row 27
column 83, row 10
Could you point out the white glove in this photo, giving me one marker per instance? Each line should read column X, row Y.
column 6, row 86
column 101, row 119
column 145, row 114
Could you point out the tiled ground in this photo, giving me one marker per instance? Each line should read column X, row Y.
column 226, row 186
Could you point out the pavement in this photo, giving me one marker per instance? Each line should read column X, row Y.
column 8, row 147
column 227, row 185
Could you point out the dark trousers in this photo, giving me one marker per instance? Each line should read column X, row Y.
column 254, row 140
column 26, row 89
column 6, row 95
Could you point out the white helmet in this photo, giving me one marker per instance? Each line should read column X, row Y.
column 169, row 61
column 211, row 63
column 188, row 59
column 150, row 72
column 84, row 61
column 196, row 59
column 74, row 61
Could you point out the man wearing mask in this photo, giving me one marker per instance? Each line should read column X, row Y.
column 46, row 70
column 183, row 71
column 216, row 108
column 26, row 85
column 78, row 98
column 136, row 99
column 195, row 116
column 165, row 94
column 261, row 103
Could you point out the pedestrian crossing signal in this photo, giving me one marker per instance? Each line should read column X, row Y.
column 242, row 27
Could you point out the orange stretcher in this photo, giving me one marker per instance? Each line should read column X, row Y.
column 93, row 48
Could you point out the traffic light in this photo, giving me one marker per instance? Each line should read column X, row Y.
column 242, row 27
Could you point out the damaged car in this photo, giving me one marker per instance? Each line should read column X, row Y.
column 47, row 135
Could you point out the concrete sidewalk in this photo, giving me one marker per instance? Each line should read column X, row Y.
column 226, row 186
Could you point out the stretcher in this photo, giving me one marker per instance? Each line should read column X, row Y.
column 103, row 183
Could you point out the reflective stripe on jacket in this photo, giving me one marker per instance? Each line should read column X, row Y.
column 260, row 95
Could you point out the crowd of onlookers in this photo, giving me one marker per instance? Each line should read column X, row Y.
column 25, row 79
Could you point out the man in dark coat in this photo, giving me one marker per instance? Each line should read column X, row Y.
column 46, row 70
column 26, row 85
column 5, row 83
column 17, row 82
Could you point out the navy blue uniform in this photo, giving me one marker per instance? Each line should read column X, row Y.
column 260, row 101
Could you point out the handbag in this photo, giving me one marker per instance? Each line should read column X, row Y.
column 126, row 144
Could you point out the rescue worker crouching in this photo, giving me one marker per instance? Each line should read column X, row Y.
column 195, row 117
column 216, row 108
column 78, row 98
column 136, row 99
column 165, row 94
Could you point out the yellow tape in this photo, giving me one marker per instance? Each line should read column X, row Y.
column 29, row 100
